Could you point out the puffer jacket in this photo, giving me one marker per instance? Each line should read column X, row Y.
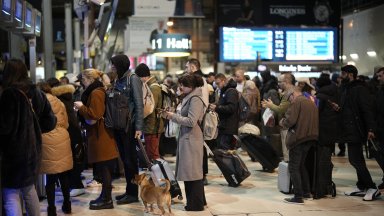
column 56, row 147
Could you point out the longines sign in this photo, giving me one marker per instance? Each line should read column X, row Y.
column 287, row 11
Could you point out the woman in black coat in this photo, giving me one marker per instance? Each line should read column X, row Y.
column 24, row 114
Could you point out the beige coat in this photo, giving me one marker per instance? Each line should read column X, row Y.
column 56, row 147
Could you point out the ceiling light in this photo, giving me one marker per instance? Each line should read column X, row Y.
column 354, row 55
column 170, row 23
column 351, row 63
column 371, row 53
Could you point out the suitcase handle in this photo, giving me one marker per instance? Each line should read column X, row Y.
column 149, row 163
column 209, row 151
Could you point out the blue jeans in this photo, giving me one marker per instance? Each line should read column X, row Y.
column 12, row 204
column 298, row 170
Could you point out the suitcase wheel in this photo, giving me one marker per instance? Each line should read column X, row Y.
column 180, row 197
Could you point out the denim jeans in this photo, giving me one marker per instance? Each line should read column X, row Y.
column 12, row 201
column 357, row 160
column 298, row 170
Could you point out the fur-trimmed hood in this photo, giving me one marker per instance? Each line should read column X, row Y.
column 63, row 89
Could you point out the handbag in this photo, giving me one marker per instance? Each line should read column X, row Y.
column 171, row 129
column 79, row 151
column 269, row 118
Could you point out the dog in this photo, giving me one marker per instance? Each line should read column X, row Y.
column 150, row 194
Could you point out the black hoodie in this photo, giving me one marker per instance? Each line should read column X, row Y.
column 121, row 63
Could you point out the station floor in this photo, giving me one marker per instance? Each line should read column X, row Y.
column 256, row 196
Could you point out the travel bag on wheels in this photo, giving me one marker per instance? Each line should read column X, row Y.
column 260, row 149
column 319, row 166
column 159, row 169
column 284, row 183
column 231, row 165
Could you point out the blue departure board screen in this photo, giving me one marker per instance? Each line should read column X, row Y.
column 244, row 44
column 278, row 44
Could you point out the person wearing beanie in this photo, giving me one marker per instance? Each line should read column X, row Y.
column 153, row 123
column 357, row 125
column 130, row 84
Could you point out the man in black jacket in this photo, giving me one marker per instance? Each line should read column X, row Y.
column 227, row 109
column 380, row 120
column 358, row 125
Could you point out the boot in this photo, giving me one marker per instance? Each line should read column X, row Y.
column 104, row 201
column 67, row 209
column 51, row 211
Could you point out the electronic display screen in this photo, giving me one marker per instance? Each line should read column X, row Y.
column 277, row 44
column 38, row 23
column 19, row 11
column 6, row 7
column 28, row 17
column 244, row 44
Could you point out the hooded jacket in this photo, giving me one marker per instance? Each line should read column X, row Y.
column 132, row 89
column 56, row 148
column 228, row 109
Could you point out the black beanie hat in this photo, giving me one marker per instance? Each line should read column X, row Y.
column 121, row 63
column 142, row 70
column 350, row 69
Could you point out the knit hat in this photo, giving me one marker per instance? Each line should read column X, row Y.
column 142, row 70
column 350, row 69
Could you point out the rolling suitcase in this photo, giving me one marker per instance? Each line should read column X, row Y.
column 231, row 165
column 319, row 166
column 260, row 149
column 284, row 183
column 159, row 169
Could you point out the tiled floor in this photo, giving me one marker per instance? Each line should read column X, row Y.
column 258, row 195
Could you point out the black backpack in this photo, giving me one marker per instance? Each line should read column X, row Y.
column 117, row 114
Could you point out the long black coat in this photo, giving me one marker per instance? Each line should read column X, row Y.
column 357, row 112
column 227, row 109
column 380, row 114
column 329, row 122
column 20, row 134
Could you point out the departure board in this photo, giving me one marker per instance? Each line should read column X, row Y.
column 278, row 44
column 245, row 44
column 309, row 45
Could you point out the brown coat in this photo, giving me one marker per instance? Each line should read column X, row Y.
column 101, row 142
column 302, row 122
column 56, row 145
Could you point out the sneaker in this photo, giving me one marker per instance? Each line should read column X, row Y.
column 93, row 183
column 294, row 200
column 371, row 194
column 355, row 192
column 381, row 186
column 77, row 192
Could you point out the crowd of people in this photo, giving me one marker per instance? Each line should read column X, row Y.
column 46, row 128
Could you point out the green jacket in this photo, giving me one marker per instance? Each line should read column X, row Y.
column 280, row 109
column 154, row 124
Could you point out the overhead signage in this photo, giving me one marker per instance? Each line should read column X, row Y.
column 295, row 68
column 278, row 44
column 168, row 8
column 172, row 45
column 278, row 12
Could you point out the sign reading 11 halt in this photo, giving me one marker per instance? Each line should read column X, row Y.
column 172, row 45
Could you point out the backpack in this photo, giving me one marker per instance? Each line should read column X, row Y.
column 209, row 124
column 117, row 113
column 148, row 101
column 244, row 109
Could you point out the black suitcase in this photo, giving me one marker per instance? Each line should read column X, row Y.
column 231, row 165
column 319, row 166
column 259, row 148
column 160, row 169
